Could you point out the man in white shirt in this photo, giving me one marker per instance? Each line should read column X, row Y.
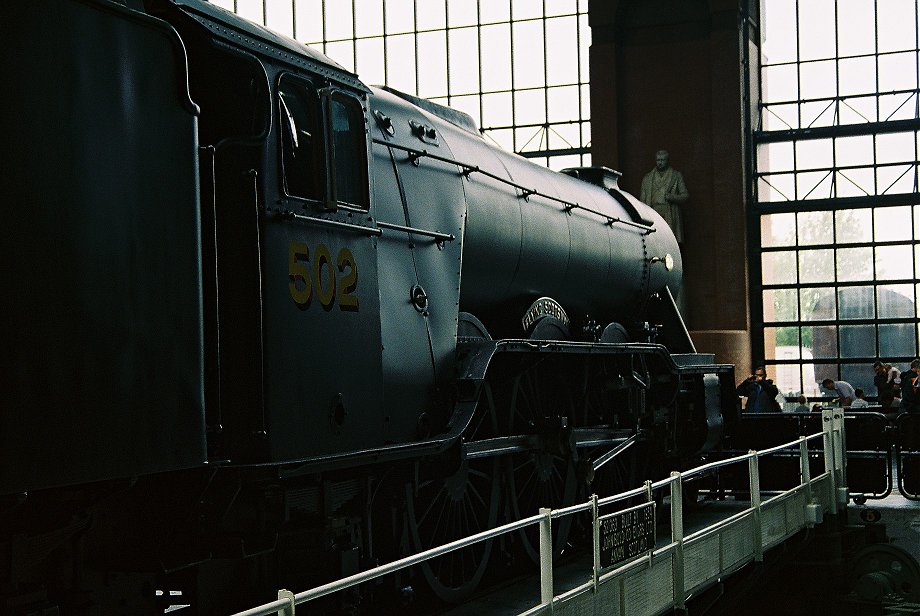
column 845, row 392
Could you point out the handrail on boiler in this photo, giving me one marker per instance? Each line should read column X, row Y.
column 526, row 193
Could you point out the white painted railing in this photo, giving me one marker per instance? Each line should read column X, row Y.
column 665, row 577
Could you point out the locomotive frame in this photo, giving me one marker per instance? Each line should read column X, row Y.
column 301, row 308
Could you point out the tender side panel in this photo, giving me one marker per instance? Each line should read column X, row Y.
column 102, row 320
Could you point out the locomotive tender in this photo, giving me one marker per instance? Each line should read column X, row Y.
column 266, row 325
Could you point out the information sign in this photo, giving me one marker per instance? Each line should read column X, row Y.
column 626, row 533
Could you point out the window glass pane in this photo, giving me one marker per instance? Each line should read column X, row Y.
column 368, row 17
column 895, row 301
column 494, row 11
column 781, row 343
column 809, row 383
column 855, row 182
column 782, row 87
column 819, row 112
column 818, row 80
column 857, row 341
column 775, row 157
column 853, row 226
column 897, row 340
column 430, row 15
column 503, row 138
column 779, row 22
column 780, row 305
column 818, row 304
column 432, row 64
column 463, row 46
column 816, row 265
column 895, row 147
column 561, row 7
column 528, row 54
column 496, row 110
column 893, row 262
column 557, row 163
column 816, row 228
column 279, row 16
column 370, row 60
column 779, row 267
column 584, row 35
column 349, row 151
column 814, row 185
column 898, row 71
column 823, row 341
column 301, row 139
column 342, row 52
column 338, row 20
column 855, row 151
column 781, row 117
column 777, row 230
column 468, row 104
column 526, row 9
column 776, row 187
column 859, row 376
column 401, row 62
column 250, row 9
column 854, row 264
column 857, row 76
column 562, row 63
column 495, row 42
column 563, row 104
column 461, row 13
column 564, row 135
column 855, row 27
column 816, row 39
column 400, row 16
column 896, row 24
column 530, row 107
column 856, row 303
column 309, row 28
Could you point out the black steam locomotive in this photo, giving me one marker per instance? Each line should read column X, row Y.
column 265, row 325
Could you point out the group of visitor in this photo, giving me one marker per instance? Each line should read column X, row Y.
column 895, row 390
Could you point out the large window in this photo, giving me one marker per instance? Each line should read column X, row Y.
column 836, row 196
column 518, row 67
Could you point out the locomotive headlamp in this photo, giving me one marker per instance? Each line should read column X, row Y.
column 668, row 261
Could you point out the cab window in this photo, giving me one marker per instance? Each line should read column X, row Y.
column 349, row 150
column 301, row 140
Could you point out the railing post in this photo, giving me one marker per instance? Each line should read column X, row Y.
column 546, row 558
column 287, row 610
column 597, row 540
column 805, row 469
column 830, row 464
column 754, row 473
column 677, row 537
column 843, row 494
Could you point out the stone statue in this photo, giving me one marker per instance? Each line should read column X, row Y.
column 663, row 188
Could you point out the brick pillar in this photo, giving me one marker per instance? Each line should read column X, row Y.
column 668, row 75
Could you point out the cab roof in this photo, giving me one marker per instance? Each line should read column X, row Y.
column 239, row 31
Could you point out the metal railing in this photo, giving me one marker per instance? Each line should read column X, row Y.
column 687, row 563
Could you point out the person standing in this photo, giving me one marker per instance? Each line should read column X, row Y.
column 884, row 384
column 845, row 392
column 663, row 188
column 910, row 388
column 760, row 393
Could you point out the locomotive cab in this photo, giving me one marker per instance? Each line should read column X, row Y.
column 291, row 268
